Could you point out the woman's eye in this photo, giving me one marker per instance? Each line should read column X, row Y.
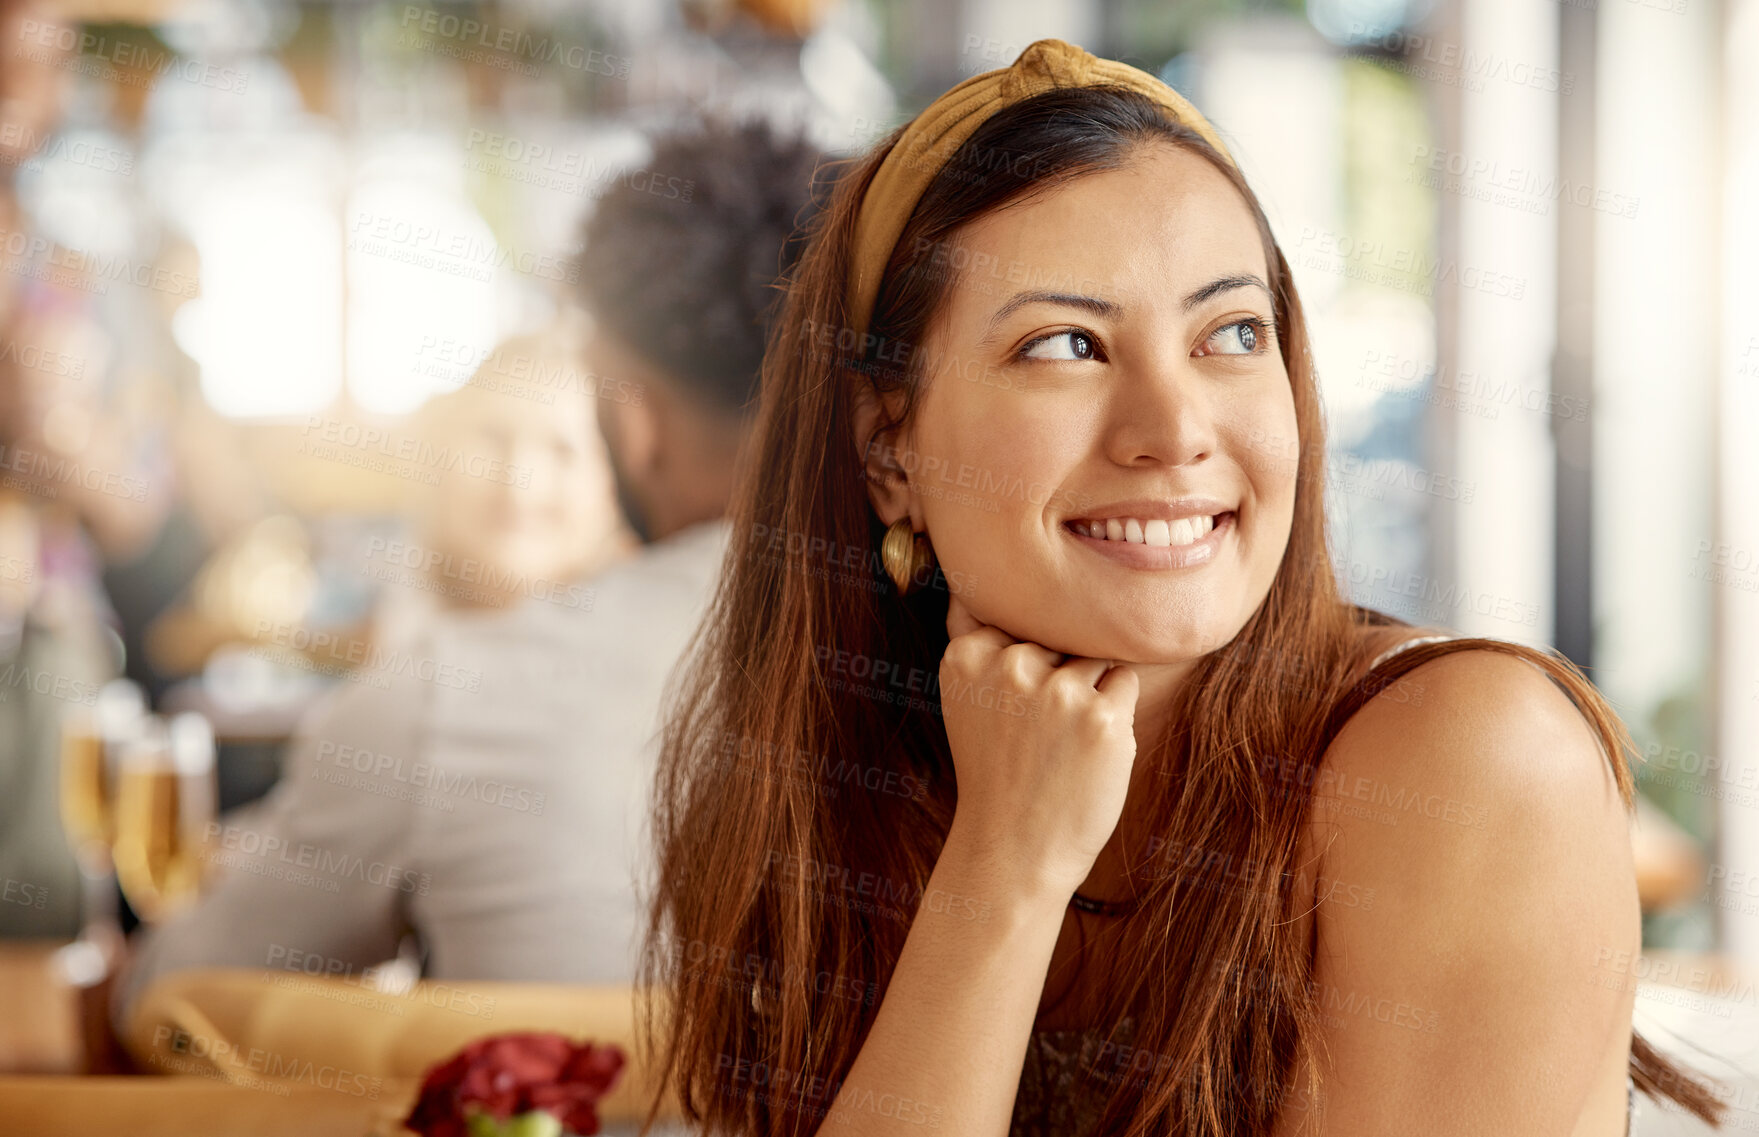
column 1062, row 345
column 1238, row 338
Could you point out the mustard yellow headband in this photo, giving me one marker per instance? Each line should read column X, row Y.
column 934, row 135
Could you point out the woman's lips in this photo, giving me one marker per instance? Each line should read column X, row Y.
column 1145, row 556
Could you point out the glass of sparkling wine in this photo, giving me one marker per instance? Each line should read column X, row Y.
column 165, row 801
column 91, row 741
column 85, row 790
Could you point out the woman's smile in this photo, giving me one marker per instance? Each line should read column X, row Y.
column 1152, row 540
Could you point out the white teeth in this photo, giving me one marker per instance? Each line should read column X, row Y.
column 1156, row 531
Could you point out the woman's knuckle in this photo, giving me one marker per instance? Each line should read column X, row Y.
column 1062, row 694
column 960, row 655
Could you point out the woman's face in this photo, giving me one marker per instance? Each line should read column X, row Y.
column 1104, row 385
column 532, row 494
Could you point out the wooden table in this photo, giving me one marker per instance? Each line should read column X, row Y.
column 190, row 1107
column 39, row 1012
column 148, row 1106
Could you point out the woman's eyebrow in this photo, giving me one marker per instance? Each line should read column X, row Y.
column 1100, row 307
column 1020, row 300
column 1224, row 284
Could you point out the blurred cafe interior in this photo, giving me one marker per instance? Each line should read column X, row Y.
column 300, row 361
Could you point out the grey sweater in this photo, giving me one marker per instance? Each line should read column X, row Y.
column 483, row 786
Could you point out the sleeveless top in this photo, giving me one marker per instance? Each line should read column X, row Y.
column 1069, row 1074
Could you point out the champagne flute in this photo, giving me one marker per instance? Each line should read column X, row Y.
column 91, row 740
column 164, row 804
column 85, row 790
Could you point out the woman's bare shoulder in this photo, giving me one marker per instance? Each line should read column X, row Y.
column 1474, row 876
column 1480, row 720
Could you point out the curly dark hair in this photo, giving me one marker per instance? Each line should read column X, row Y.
column 683, row 258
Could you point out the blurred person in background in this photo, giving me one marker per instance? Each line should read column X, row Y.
column 523, row 507
column 489, row 799
column 803, row 65
column 83, row 482
column 530, row 514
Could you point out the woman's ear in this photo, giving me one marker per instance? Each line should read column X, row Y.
column 886, row 461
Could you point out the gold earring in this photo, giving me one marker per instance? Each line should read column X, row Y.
column 905, row 553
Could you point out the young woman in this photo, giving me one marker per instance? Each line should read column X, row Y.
column 1033, row 777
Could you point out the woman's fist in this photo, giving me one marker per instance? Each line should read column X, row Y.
column 1042, row 750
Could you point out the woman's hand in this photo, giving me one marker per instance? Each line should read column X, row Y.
column 1042, row 751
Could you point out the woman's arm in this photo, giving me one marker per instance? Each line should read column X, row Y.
column 1042, row 749
column 1477, row 914
column 948, row 1043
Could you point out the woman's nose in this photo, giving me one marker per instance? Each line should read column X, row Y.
column 1161, row 414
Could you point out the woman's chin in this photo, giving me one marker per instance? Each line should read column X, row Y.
column 1174, row 647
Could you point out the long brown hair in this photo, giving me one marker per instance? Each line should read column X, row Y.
column 805, row 785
